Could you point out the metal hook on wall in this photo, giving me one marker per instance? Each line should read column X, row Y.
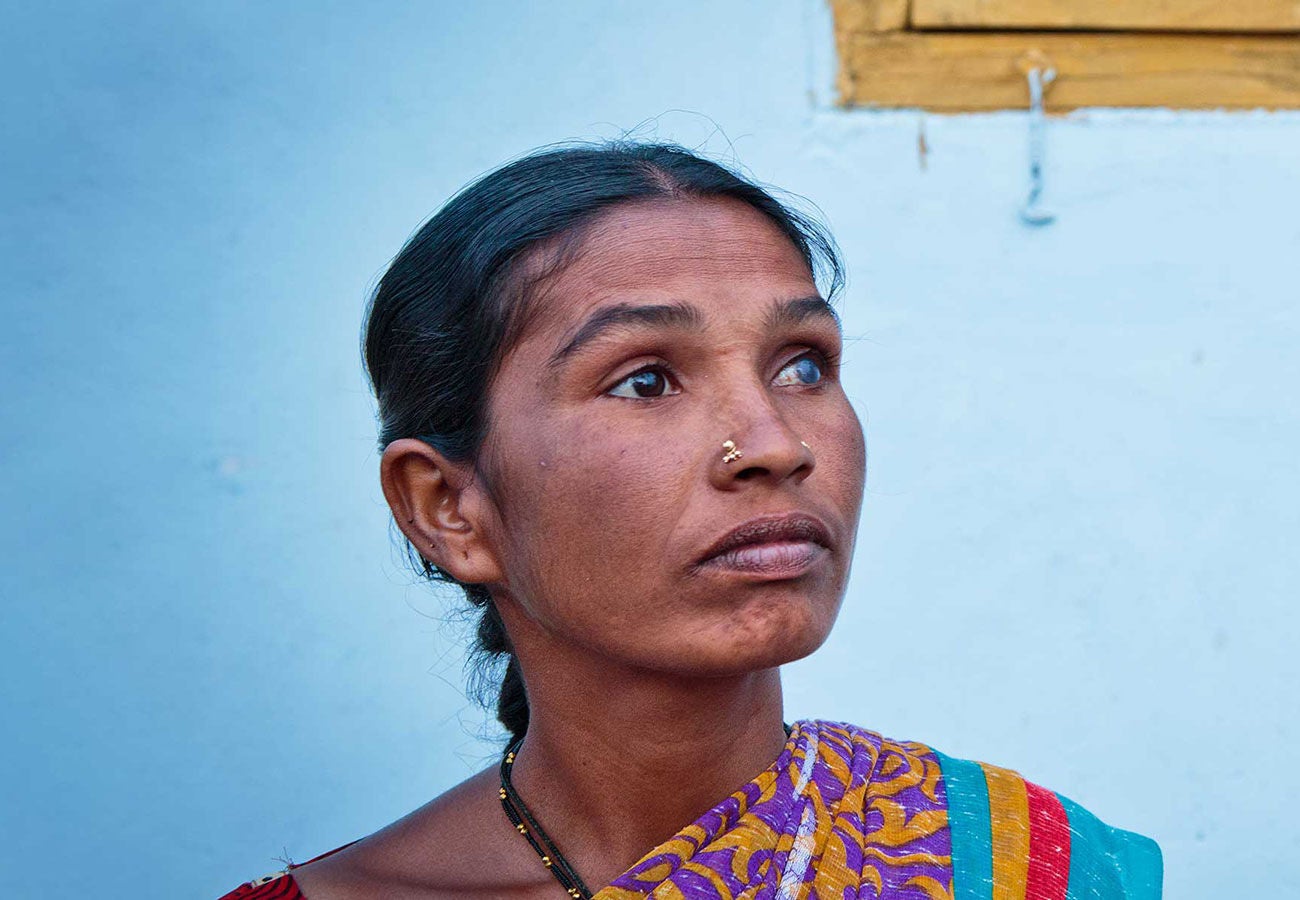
column 1033, row 213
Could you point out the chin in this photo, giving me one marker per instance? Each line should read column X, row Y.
column 754, row 642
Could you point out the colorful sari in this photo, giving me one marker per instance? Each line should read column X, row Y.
column 845, row 813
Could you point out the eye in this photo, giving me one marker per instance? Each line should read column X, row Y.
column 804, row 370
column 645, row 384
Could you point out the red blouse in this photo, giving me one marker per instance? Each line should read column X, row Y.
column 278, row 885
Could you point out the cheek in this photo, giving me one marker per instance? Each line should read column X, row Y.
column 589, row 523
column 843, row 452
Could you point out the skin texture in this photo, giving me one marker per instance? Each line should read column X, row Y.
column 652, row 681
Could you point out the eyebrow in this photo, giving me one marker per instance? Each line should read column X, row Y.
column 680, row 316
column 683, row 317
column 787, row 313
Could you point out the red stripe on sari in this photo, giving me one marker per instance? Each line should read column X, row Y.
column 1049, row 846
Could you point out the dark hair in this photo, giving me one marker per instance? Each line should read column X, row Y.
column 455, row 299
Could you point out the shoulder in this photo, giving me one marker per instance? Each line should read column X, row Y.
column 464, row 825
column 1005, row 829
column 279, row 885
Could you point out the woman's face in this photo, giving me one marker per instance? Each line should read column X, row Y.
column 680, row 325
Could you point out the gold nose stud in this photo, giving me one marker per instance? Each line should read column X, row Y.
column 730, row 452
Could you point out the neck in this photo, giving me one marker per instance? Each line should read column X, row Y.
column 615, row 761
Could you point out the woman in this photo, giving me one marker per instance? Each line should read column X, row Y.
column 610, row 410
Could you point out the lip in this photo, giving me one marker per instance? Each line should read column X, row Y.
column 775, row 545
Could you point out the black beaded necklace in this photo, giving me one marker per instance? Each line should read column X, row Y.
column 520, row 816
column 526, row 825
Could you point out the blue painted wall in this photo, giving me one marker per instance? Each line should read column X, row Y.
column 1077, row 552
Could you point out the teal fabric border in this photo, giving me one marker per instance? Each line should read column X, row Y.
column 1110, row 862
column 968, row 822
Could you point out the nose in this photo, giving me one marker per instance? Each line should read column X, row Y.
column 761, row 447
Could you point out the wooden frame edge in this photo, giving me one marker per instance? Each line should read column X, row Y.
column 984, row 71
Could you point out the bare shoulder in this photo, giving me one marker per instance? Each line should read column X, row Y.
column 460, row 844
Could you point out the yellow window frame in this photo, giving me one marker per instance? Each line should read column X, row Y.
column 972, row 55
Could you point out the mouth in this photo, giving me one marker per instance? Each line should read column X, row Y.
column 779, row 546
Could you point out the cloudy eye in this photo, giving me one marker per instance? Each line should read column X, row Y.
column 802, row 371
column 645, row 384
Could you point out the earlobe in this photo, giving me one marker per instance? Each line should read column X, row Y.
column 435, row 505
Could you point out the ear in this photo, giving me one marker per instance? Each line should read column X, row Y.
column 441, row 508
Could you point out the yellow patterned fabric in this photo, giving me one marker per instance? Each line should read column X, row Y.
column 847, row 814
column 843, row 812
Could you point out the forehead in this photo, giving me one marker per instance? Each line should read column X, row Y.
column 718, row 254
